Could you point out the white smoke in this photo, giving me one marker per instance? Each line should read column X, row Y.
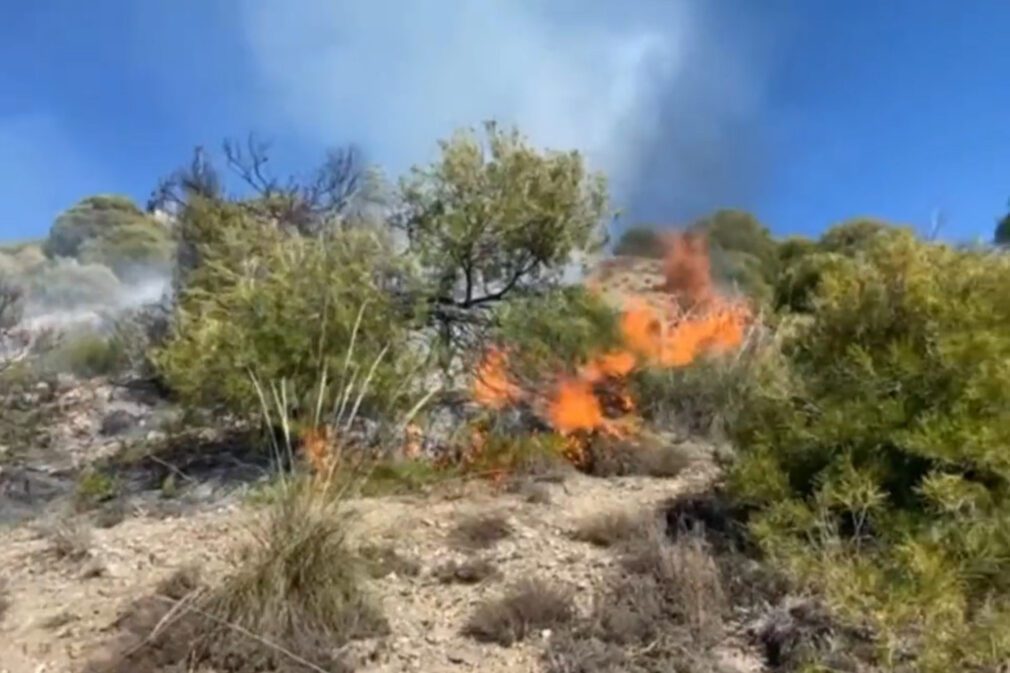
column 626, row 83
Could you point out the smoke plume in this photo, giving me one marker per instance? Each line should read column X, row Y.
column 665, row 96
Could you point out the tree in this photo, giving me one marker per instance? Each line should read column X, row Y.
column 743, row 251
column 640, row 241
column 496, row 218
column 1002, row 234
column 853, row 235
column 112, row 231
column 740, row 231
column 306, row 204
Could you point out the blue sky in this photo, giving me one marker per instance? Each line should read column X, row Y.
column 805, row 112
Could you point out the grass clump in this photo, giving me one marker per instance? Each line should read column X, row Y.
column 646, row 456
column 608, row 529
column 293, row 599
column 664, row 612
column 69, row 539
column 298, row 583
column 480, row 531
column 89, row 354
column 525, row 607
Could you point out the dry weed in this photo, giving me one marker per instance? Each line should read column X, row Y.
column 470, row 571
column 649, row 457
column 292, row 601
column 607, row 529
column 69, row 539
column 527, row 606
column 480, row 531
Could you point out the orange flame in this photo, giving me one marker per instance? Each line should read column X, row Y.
column 575, row 407
column 689, row 320
column 493, row 387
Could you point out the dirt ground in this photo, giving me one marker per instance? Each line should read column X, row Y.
column 62, row 610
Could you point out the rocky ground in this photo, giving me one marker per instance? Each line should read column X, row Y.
column 69, row 572
column 63, row 606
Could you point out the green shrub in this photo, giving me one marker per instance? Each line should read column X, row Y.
column 85, row 352
column 877, row 461
column 283, row 308
column 111, row 231
column 556, row 330
column 641, row 241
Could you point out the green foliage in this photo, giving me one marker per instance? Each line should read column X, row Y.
column 877, row 456
column 93, row 488
column 85, row 352
column 559, row 329
column 802, row 262
column 112, row 231
column 705, row 397
column 1001, row 236
column 740, row 231
column 854, row 235
column 285, row 308
column 490, row 218
column 743, row 252
column 640, row 241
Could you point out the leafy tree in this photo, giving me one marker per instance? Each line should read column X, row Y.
column 640, row 241
column 112, row 231
column 496, row 218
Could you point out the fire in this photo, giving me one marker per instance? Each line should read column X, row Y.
column 687, row 320
column 575, row 407
column 493, row 387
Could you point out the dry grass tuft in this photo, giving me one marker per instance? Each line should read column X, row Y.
column 480, row 531
column 470, row 571
column 292, row 601
column 665, row 612
column 608, row 529
column 533, row 491
column 299, row 583
column 527, row 606
column 650, row 457
column 69, row 539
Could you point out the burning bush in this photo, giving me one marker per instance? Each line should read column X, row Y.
column 585, row 389
column 878, row 462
